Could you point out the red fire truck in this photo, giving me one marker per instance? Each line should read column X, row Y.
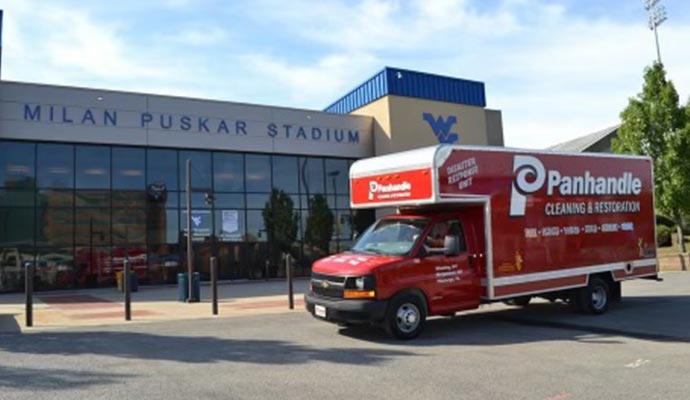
column 477, row 225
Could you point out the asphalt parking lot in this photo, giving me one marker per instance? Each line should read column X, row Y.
column 639, row 350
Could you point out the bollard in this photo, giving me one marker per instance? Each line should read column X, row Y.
column 127, row 285
column 288, row 273
column 29, row 286
column 214, row 285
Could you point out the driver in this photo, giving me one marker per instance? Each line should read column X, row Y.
column 435, row 238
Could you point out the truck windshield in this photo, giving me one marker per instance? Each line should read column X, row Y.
column 391, row 236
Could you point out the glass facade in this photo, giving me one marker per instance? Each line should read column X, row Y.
column 76, row 212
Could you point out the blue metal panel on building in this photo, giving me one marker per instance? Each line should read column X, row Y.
column 400, row 82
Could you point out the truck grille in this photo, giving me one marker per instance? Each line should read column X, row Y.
column 327, row 285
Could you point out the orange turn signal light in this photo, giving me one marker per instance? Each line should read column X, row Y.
column 359, row 294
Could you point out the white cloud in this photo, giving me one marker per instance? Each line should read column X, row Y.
column 554, row 75
column 53, row 43
column 201, row 36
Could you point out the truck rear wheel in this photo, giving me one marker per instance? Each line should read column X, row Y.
column 405, row 317
column 593, row 298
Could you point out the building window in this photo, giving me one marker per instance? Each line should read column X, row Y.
column 201, row 169
column 228, row 172
column 258, row 173
column 285, row 174
column 311, row 175
column 93, row 167
column 161, row 170
column 17, row 165
column 55, row 166
column 78, row 210
column 129, row 168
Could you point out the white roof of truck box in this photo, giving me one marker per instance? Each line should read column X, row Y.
column 386, row 169
column 434, row 156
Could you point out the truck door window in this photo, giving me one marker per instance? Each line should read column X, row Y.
column 435, row 240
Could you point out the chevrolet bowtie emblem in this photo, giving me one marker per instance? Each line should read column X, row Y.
column 324, row 284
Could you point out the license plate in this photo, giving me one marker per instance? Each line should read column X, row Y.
column 320, row 311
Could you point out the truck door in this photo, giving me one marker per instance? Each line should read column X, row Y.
column 454, row 278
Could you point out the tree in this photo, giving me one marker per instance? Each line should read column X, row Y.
column 319, row 228
column 362, row 219
column 280, row 221
column 654, row 124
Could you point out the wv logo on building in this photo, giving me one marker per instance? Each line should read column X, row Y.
column 442, row 128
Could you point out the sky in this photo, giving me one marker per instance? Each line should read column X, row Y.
column 556, row 69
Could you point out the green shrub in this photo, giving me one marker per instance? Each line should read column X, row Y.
column 663, row 236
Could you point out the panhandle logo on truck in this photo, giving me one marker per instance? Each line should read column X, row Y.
column 442, row 128
column 531, row 176
column 389, row 191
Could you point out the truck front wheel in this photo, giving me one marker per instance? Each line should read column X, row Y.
column 594, row 298
column 405, row 317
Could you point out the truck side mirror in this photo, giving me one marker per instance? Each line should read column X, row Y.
column 451, row 245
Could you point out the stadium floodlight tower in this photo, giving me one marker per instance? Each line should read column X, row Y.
column 657, row 15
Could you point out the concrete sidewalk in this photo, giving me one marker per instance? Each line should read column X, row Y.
column 93, row 307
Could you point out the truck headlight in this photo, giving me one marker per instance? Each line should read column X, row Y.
column 366, row 282
column 359, row 283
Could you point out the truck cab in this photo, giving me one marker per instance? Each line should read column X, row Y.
column 408, row 266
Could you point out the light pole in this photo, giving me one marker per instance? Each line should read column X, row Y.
column 657, row 15
column 190, row 256
column 334, row 175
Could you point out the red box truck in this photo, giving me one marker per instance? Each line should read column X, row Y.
column 477, row 225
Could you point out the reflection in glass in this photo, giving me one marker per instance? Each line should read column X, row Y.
column 17, row 198
column 285, row 174
column 16, row 227
column 17, row 164
column 258, row 173
column 55, row 268
column 311, row 175
column 128, row 168
column 343, row 219
column 142, row 209
column 161, row 168
column 229, row 200
column 232, row 260
column 198, row 200
column 93, row 167
column 201, row 169
column 55, row 166
column 12, row 260
column 257, row 201
column 54, row 226
column 165, row 261
column 229, row 225
column 92, row 198
column 55, row 198
column 127, row 199
column 92, row 226
column 337, row 176
column 202, row 223
column 256, row 230
column 228, row 172
column 129, row 225
column 93, row 266
column 163, row 226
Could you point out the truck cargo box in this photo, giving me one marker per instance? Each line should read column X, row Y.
column 550, row 218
